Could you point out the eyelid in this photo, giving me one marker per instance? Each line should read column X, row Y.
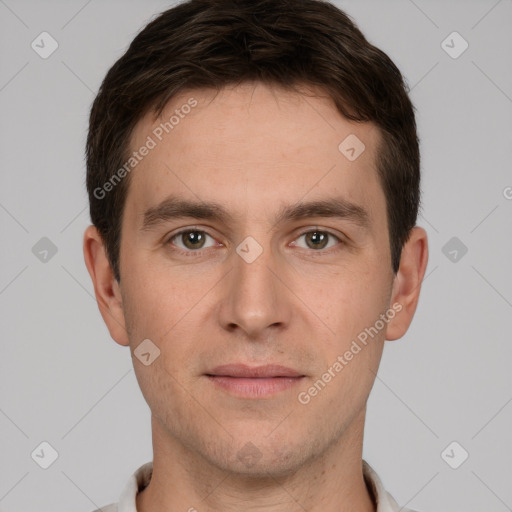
column 309, row 229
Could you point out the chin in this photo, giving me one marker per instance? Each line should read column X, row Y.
column 265, row 468
column 263, row 457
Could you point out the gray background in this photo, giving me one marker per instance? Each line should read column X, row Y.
column 64, row 381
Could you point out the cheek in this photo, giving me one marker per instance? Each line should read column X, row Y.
column 143, row 308
column 155, row 299
column 349, row 304
column 170, row 309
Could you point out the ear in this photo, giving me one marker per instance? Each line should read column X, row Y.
column 106, row 288
column 407, row 282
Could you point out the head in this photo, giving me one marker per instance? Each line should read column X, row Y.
column 285, row 143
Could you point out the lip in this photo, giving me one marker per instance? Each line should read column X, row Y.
column 253, row 372
column 254, row 382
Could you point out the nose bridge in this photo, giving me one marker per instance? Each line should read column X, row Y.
column 253, row 300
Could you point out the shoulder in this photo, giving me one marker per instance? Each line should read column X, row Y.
column 107, row 508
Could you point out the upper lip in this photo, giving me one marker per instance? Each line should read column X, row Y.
column 244, row 371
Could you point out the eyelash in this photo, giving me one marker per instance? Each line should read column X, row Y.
column 195, row 252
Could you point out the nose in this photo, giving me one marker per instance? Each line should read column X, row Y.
column 255, row 300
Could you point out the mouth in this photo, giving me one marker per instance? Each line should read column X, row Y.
column 254, row 382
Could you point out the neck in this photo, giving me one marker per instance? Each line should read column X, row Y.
column 184, row 480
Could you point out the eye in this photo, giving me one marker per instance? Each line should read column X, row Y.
column 191, row 240
column 317, row 239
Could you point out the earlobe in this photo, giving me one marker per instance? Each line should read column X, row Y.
column 106, row 288
column 407, row 283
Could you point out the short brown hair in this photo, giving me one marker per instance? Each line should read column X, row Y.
column 215, row 43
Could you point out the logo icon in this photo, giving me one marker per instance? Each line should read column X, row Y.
column 454, row 455
column 352, row 147
column 44, row 45
column 44, row 455
column 146, row 352
column 44, row 250
column 454, row 45
column 454, row 249
column 249, row 249
column 249, row 454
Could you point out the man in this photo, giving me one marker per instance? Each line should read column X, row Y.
column 253, row 174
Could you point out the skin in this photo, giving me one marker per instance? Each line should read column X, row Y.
column 254, row 148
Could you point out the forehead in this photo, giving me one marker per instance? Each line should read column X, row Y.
column 255, row 148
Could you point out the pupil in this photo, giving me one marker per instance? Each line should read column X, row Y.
column 192, row 238
column 318, row 237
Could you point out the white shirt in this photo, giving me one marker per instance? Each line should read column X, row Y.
column 141, row 478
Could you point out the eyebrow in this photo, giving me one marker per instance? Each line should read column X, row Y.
column 175, row 208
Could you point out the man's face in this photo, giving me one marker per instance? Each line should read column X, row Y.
column 296, row 293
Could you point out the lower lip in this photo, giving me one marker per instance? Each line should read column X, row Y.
column 253, row 387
